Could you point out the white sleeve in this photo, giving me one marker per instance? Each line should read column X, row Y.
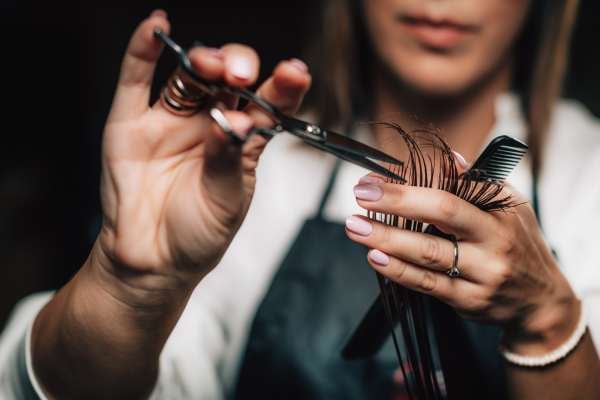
column 16, row 376
column 189, row 363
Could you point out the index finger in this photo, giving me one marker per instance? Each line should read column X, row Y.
column 285, row 89
column 137, row 69
column 446, row 211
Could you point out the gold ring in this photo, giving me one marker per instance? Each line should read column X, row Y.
column 180, row 96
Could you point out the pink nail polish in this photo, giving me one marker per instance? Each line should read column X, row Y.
column 213, row 51
column 299, row 64
column 243, row 128
column 379, row 257
column 370, row 179
column 240, row 67
column 460, row 159
column 368, row 192
column 359, row 226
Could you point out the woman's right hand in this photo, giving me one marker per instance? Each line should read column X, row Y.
column 174, row 189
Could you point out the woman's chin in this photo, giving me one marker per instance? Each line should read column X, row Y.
column 435, row 79
column 434, row 76
column 441, row 90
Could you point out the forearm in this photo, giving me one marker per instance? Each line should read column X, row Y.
column 575, row 377
column 100, row 338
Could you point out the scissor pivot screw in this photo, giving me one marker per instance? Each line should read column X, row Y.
column 314, row 130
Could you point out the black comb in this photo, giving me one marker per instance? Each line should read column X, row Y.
column 499, row 158
column 496, row 162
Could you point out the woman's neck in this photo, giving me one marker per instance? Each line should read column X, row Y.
column 463, row 121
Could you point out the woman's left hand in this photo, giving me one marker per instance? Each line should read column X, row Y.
column 508, row 274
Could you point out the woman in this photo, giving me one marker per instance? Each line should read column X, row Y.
column 270, row 319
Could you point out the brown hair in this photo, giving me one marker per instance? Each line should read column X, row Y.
column 341, row 78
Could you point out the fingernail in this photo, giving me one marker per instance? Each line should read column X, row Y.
column 299, row 64
column 240, row 67
column 379, row 257
column 461, row 160
column 159, row 13
column 243, row 128
column 358, row 226
column 368, row 192
column 213, row 51
column 370, row 179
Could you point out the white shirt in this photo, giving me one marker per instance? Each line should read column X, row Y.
column 202, row 356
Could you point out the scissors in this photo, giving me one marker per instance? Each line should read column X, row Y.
column 339, row 145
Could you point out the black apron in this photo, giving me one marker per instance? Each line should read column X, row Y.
column 317, row 297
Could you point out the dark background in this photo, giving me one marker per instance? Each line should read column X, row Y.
column 60, row 62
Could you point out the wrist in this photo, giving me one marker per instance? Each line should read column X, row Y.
column 93, row 321
column 545, row 328
column 145, row 293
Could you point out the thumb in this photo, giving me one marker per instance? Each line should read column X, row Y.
column 137, row 69
column 222, row 173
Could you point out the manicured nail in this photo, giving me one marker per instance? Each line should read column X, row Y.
column 370, row 179
column 299, row 64
column 240, row 67
column 359, row 226
column 213, row 51
column 243, row 128
column 461, row 160
column 379, row 257
column 368, row 192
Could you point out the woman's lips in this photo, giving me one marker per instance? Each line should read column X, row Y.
column 438, row 34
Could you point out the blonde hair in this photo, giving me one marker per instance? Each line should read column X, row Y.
column 341, row 80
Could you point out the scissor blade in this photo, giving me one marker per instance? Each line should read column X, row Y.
column 339, row 145
column 359, row 160
column 347, row 144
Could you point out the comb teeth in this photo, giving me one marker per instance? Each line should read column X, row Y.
column 500, row 158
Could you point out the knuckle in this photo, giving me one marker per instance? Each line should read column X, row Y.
column 507, row 241
column 431, row 251
column 383, row 236
column 448, row 206
column 502, row 273
column 390, row 199
column 399, row 271
column 476, row 305
column 428, row 281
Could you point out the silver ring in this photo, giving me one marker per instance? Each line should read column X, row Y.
column 454, row 271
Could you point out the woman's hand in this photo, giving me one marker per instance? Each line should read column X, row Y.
column 508, row 274
column 174, row 190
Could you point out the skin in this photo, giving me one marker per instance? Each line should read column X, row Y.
column 509, row 276
column 166, row 226
column 437, row 68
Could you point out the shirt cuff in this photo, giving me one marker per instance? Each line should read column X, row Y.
column 31, row 381
column 17, row 381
